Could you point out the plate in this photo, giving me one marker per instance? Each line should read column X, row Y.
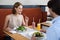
column 31, row 33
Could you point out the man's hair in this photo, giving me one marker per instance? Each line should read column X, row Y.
column 55, row 6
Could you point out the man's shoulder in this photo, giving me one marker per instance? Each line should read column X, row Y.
column 54, row 27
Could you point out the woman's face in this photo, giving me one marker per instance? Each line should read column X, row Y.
column 19, row 9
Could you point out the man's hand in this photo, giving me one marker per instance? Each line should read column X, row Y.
column 43, row 30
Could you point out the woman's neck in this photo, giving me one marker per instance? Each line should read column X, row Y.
column 16, row 14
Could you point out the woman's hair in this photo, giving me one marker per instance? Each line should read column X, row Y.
column 55, row 6
column 15, row 6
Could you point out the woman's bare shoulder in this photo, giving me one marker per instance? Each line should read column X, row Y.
column 8, row 16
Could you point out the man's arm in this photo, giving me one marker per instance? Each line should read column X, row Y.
column 51, row 34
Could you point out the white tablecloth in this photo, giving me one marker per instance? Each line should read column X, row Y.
column 28, row 33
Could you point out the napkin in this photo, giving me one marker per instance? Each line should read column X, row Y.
column 12, row 31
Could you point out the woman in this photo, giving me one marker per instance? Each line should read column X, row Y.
column 15, row 19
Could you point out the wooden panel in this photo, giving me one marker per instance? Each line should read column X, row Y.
column 44, row 16
column 3, row 13
column 33, row 12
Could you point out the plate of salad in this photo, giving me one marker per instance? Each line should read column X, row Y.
column 21, row 28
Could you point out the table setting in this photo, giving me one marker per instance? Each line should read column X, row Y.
column 27, row 32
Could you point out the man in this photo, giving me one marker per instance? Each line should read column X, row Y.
column 53, row 32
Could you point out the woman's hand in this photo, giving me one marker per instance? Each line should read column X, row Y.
column 26, row 20
column 7, row 29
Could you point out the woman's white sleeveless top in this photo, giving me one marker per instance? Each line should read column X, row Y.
column 15, row 21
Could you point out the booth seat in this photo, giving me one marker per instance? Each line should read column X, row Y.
column 37, row 13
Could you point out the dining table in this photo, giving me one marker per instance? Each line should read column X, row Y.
column 25, row 35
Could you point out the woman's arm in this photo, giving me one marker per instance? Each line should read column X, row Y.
column 6, row 23
column 24, row 22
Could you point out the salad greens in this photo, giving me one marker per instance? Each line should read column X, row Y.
column 21, row 28
column 38, row 34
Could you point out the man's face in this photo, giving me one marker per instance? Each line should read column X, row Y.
column 51, row 13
